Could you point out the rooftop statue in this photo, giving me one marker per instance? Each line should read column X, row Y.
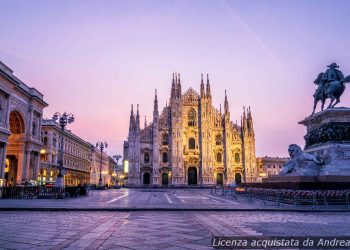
column 331, row 84
column 301, row 163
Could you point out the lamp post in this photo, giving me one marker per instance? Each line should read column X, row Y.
column 63, row 120
column 101, row 145
column 117, row 157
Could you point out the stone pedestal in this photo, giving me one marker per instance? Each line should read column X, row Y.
column 328, row 136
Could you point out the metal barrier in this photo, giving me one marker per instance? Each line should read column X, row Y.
column 314, row 198
column 41, row 192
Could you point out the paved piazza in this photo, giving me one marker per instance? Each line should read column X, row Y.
column 156, row 230
column 176, row 229
column 136, row 198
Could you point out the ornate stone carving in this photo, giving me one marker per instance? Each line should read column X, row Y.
column 331, row 132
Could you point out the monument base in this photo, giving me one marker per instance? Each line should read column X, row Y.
column 328, row 137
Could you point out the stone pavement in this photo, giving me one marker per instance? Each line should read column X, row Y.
column 147, row 199
column 156, row 230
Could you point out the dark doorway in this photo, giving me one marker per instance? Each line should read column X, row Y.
column 238, row 178
column 219, row 179
column 192, row 176
column 11, row 165
column 146, row 179
column 165, row 179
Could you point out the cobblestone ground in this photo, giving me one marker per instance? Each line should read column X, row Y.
column 156, row 230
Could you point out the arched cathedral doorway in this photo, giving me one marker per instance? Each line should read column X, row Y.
column 165, row 179
column 219, row 179
column 192, row 176
column 238, row 178
column 146, row 179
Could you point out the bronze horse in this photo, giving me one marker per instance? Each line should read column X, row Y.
column 332, row 90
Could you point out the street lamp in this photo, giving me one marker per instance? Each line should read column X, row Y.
column 63, row 120
column 101, row 145
column 117, row 157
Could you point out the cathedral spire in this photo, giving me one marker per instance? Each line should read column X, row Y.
column 250, row 121
column 179, row 87
column 208, row 87
column 155, row 106
column 202, row 86
column 137, row 118
column 132, row 120
column 226, row 109
column 173, row 87
column 244, row 125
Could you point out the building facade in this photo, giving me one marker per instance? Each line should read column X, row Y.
column 269, row 166
column 21, row 110
column 96, row 168
column 190, row 142
column 77, row 156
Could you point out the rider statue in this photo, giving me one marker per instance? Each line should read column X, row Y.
column 331, row 84
column 332, row 74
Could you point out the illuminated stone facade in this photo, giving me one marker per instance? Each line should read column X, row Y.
column 21, row 109
column 269, row 166
column 190, row 142
column 77, row 156
column 106, row 169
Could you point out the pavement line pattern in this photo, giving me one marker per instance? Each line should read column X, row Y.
column 113, row 200
column 105, row 235
column 80, row 234
column 241, row 230
column 168, row 198
column 220, row 199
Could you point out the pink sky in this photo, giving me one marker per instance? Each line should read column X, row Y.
column 95, row 58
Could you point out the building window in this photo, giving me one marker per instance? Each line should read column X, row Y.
column 165, row 157
column 34, row 129
column 165, row 139
column 146, row 157
column 218, row 140
column 191, row 143
column 45, row 141
column 219, row 157
column 192, row 121
column 237, row 158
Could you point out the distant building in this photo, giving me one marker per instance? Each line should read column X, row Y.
column 77, row 156
column 21, row 110
column 96, row 168
column 269, row 166
column 190, row 142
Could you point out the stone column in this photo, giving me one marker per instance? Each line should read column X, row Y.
column 26, row 165
column 37, row 166
column 7, row 121
column 21, row 166
column 2, row 160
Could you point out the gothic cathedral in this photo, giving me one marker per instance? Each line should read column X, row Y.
column 190, row 143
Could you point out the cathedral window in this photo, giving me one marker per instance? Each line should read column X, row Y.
column 219, row 157
column 218, row 140
column 237, row 158
column 191, row 143
column 192, row 121
column 165, row 157
column 165, row 139
column 146, row 157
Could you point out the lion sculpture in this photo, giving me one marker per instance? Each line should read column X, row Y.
column 301, row 163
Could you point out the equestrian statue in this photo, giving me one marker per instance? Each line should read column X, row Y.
column 331, row 85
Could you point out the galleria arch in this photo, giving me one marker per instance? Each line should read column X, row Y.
column 21, row 109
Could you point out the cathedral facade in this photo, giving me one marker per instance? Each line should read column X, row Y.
column 190, row 142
